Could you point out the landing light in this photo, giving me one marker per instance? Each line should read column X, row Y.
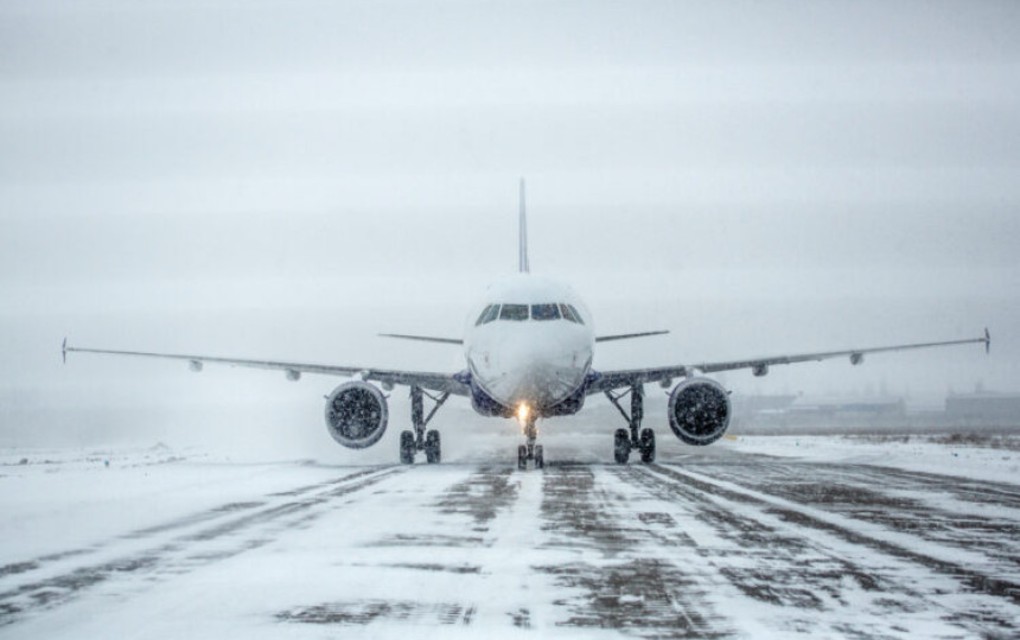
column 523, row 411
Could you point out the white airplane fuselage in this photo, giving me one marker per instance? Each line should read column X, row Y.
column 532, row 355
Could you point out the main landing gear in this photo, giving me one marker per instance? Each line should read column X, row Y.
column 625, row 441
column 530, row 451
column 419, row 439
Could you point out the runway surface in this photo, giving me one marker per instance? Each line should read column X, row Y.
column 731, row 544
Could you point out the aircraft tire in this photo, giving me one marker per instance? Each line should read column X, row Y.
column 406, row 447
column 647, row 446
column 522, row 457
column 432, row 447
column 539, row 457
column 621, row 446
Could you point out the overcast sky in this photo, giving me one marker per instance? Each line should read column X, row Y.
column 286, row 179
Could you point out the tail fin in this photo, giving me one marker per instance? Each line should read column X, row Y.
column 522, row 240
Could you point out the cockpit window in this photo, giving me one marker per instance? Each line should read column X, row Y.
column 570, row 313
column 488, row 315
column 513, row 312
column 545, row 312
column 520, row 312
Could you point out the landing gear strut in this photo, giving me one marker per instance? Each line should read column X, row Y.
column 624, row 440
column 530, row 451
column 419, row 439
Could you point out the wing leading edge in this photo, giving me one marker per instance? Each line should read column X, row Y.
column 607, row 380
column 441, row 382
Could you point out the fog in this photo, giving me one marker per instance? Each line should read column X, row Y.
column 287, row 180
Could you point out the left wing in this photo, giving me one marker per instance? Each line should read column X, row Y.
column 404, row 336
column 441, row 382
column 607, row 380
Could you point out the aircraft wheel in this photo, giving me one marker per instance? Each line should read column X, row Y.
column 406, row 447
column 621, row 446
column 539, row 457
column 522, row 457
column 647, row 446
column 432, row 449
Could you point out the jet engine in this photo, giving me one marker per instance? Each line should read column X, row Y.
column 699, row 411
column 356, row 414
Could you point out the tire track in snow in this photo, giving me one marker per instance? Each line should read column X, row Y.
column 977, row 518
column 242, row 526
column 184, row 522
column 766, row 568
column 800, row 553
column 632, row 588
column 863, row 530
column 458, row 529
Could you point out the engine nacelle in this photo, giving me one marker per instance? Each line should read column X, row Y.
column 699, row 411
column 356, row 414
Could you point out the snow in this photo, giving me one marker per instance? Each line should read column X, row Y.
column 926, row 454
column 753, row 537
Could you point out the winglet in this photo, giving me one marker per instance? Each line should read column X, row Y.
column 63, row 350
column 988, row 341
column 522, row 240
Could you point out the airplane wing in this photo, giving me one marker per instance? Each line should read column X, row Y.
column 628, row 336
column 404, row 336
column 440, row 382
column 608, row 380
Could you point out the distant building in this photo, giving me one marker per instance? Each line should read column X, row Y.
column 756, row 404
column 987, row 407
column 885, row 406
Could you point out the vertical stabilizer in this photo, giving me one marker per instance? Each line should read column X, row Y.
column 522, row 240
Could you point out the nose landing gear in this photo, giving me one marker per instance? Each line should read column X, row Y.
column 530, row 451
column 643, row 440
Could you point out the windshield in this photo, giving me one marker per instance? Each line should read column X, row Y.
column 521, row 312
column 488, row 315
column 545, row 311
column 513, row 312
column 570, row 313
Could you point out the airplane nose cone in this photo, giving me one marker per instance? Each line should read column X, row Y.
column 540, row 375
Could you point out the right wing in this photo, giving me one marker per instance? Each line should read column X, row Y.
column 440, row 382
column 608, row 380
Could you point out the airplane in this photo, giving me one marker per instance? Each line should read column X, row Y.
column 528, row 350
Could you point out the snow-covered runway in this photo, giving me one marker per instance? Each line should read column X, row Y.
column 731, row 544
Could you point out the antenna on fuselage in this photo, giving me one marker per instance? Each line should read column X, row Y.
column 522, row 241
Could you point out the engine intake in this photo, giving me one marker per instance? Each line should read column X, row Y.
column 699, row 411
column 356, row 414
